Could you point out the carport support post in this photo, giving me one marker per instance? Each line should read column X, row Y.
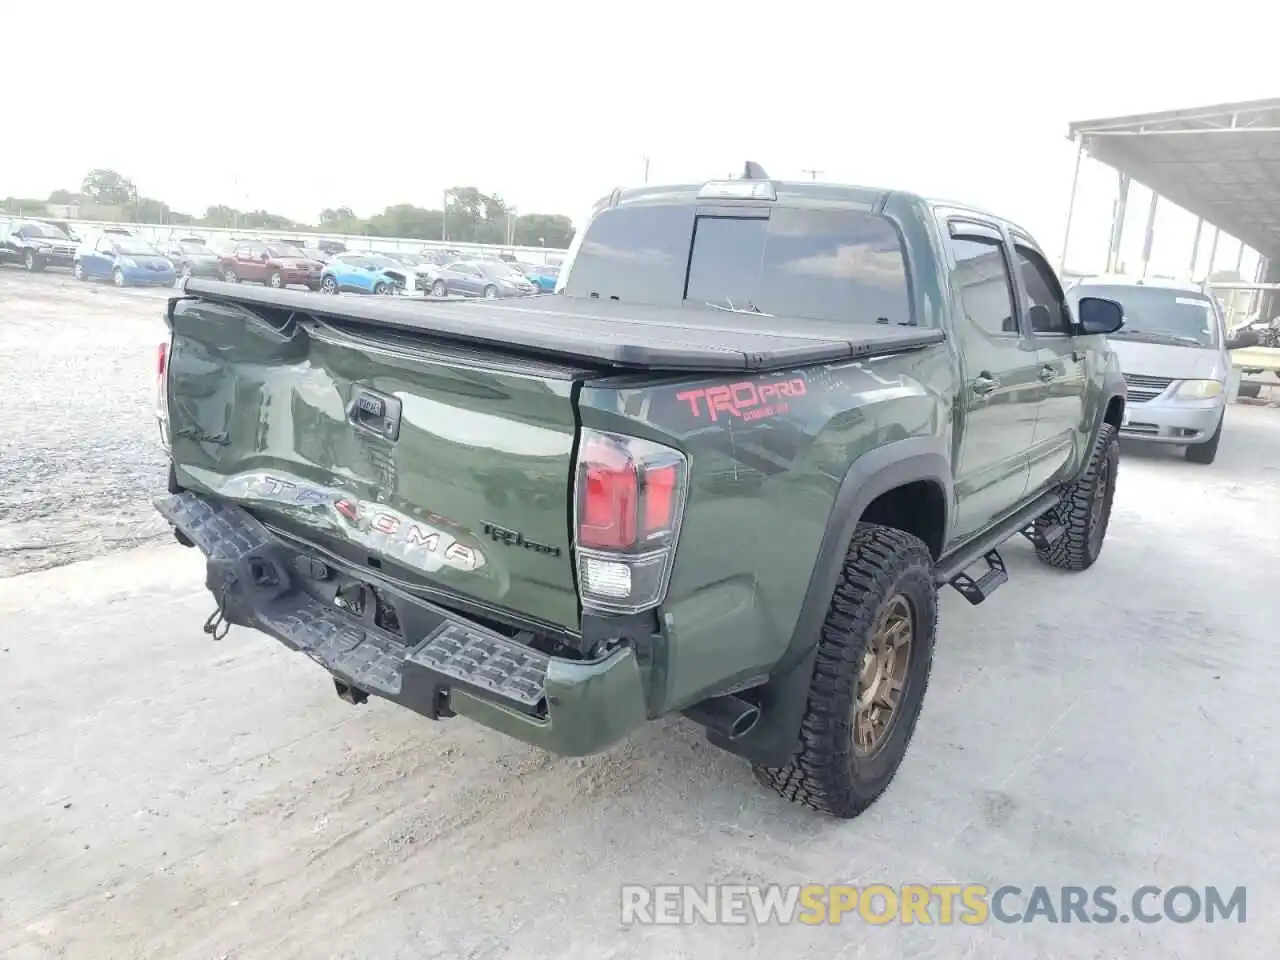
column 1149, row 239
column 1240, row 260
column 1195, row 248
column 1117, row 224
column 1213, row 253
column 1071, row 204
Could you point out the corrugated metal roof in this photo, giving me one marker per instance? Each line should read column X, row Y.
column 1220, row 162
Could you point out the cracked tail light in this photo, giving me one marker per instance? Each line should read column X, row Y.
column 630, row 497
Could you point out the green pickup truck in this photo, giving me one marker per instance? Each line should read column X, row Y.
column 722, row 472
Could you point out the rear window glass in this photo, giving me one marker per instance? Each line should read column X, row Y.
column 815, row 264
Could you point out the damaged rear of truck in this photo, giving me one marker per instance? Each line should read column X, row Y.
column 565, row 516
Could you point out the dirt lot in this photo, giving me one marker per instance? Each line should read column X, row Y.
column 163, row 796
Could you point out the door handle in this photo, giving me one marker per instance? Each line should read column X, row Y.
column 1047, row 374
column 983, row 384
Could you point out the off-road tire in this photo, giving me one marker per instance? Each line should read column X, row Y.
column 1206, row 452
column 824, row 772
column 1080, row 545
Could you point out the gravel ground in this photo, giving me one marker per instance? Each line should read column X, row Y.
column 162, row 796
column 78, row 451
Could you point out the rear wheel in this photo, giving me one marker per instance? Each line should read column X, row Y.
column 439, row 289
column 1206, row 452
column 491, row 292
column 1085, row 509
column 329, row 285
column 875, row 653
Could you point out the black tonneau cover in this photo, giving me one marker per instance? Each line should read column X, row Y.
column 625, row 336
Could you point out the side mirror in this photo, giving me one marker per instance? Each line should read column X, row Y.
column 1099, row 315
column 1243, row 338
column 1041, row 319
column 265, row 257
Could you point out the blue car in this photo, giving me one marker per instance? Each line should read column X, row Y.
column 125, row 261
column 543, row 277
column 363, row 273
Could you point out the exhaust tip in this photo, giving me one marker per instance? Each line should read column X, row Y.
column 745, row 723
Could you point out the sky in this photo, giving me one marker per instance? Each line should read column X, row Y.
column 552, row 103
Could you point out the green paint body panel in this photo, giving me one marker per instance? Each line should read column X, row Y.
column 491, row 440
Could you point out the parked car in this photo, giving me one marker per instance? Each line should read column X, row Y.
column 1173, row 353
column 273, row 264
column 491, row 279
column 125, row 261
column 698, row 482
column 35, row 244
column 543, row 276
column 192, row 257
column 375, row 273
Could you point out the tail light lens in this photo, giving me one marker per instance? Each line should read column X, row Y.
column 630, row 500
column 162, row 391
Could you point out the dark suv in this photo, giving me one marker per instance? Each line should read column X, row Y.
column 35, row 244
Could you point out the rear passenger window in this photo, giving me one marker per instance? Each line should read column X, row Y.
column 1048, row 304
column 985, row 285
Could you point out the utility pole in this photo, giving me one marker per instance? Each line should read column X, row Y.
column 813, row 174
column 646, row 169
column 444, row 219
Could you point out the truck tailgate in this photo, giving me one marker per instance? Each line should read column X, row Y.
column 448, row 467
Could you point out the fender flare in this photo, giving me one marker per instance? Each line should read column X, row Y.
column 785, row 695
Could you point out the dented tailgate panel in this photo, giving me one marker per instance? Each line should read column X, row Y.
column 437, row 466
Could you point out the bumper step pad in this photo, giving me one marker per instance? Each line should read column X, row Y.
column 254, row 578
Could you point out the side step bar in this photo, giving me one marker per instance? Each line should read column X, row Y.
column 952, row 570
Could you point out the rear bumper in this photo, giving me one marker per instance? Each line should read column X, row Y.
column 148, row 277
column 1173, row 421
column 436, row 663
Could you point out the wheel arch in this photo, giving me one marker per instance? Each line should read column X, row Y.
column 880, row 486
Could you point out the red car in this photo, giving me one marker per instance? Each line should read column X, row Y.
column 275, row 264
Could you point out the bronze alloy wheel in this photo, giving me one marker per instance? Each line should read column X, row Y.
column 1100, row 506
column 883, row 677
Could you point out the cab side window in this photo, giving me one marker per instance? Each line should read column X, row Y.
column 1048, row 305
column 106, row 245
column 986, row 288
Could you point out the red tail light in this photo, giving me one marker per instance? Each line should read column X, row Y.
column 162, row 358
column 630, row 497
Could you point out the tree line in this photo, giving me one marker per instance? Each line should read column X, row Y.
column 468, row 215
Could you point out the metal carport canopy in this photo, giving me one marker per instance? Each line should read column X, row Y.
column 1221, row 163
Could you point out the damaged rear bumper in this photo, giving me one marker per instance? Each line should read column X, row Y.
column 377, row 640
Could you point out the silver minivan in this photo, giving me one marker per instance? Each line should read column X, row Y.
column 1173, row 353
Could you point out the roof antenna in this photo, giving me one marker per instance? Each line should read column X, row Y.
column 753, row 171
